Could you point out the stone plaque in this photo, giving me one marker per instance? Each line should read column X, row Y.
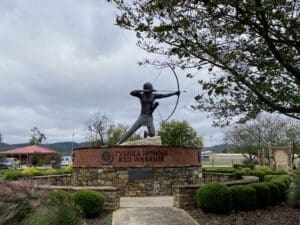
column 140, row 173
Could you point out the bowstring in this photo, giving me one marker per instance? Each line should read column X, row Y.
column 157, row 76
column 161, row 118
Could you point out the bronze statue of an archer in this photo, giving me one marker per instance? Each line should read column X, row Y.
column 148, row 105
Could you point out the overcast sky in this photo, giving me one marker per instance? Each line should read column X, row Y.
column 63, row 61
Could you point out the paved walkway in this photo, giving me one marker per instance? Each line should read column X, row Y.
column 150, row 211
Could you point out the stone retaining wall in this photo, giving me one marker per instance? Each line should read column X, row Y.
column 59, row 180
column 217, row 177
column 138, row 181
column 185, row 195
column 111, row 194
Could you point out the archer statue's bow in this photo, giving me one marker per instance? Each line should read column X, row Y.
column 178, row 89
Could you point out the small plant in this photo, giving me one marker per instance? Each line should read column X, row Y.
column 214, row 197
column 263, row 196
column 243, row 197
column 58, row 209
column 17, row 200
column 30, row 171
column 68, row 169
column 91, row 202
column 294, row 190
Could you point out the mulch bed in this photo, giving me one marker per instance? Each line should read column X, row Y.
column 279, row 214
column 104, row 219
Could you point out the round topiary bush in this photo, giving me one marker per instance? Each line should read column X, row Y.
column 239, row 174
column 258, row 173
column 214, row 197
column 91, row 202
column 274, row 192
column 263, row 196
column 282, row 188
column 243, row 197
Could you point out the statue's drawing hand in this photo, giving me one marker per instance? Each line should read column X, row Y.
column 156, row 104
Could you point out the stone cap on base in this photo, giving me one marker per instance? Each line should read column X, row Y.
column 150, row 141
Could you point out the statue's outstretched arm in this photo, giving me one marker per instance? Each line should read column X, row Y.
column 166, row 95
column 136, row 93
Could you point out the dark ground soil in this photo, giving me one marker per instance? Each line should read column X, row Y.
column 279, row 214
column 104, row 219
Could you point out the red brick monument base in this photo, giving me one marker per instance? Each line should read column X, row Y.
column 137, row 170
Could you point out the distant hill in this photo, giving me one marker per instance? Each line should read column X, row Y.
column 222, row 148
column 66, row 147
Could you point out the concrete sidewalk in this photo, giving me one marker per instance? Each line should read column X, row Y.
column 150, row 211
column 137, row 202
column 152, row 216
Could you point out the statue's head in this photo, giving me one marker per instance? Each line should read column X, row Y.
column 148, row 87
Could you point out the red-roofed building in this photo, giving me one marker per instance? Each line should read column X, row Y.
column 26, row 154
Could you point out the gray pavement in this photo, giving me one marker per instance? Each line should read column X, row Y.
column 137, row 202
column 150, row 211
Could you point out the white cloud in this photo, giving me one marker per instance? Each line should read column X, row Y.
column 61, row 61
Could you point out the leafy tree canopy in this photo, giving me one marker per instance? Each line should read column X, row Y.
column 251, row 50
column 179, row 133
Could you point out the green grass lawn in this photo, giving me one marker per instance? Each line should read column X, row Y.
column 3, row 172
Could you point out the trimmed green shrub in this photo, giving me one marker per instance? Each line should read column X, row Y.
column 282, row 178
column 241, row 166
column 239, row 174
column 294, row 190
column 243, row 197
column 282, row 188
column 282, row 181
column 13, row 175
column 263, row 196
column 258, row 173
column 269, row 178
column 91, row 202
column 214, row 197
column 219, row 170
column 274, row 192
column 265, row 169
column 280, row 172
